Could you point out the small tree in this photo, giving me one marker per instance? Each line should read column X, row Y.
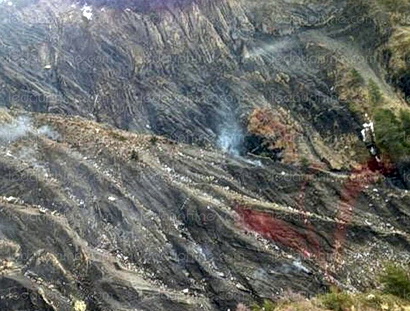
column 375, row 93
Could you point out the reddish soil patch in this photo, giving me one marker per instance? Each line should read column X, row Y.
column 302, row 237
column 278, row 230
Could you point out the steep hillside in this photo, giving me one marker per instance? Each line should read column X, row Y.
column 124, row 221
column 194, row 155
column 194, row 71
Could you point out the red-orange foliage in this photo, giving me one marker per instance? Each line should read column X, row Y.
column 265, row 123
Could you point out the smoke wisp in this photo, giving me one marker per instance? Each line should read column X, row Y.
column 231, row 139
column 17, row 129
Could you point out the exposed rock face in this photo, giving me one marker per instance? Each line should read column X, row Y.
column 82, row 220
column 190, row 69
column 98, row 213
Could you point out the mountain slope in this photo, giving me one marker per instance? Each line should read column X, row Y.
column 192, row 155
column 194, row 71
column 96, row 213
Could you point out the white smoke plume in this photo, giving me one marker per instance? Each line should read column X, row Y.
column 231, row 139
column 14, row 130
column 22, row 126
column 48, row 132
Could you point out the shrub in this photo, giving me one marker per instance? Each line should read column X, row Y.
column 267, row 306
column 396, row 281
column 153, row 140
column 134, row 155
column 392, row 133
column 375, row 93
column 405, row 120
column 337, row 301
column 355, row 78
column 304, row 163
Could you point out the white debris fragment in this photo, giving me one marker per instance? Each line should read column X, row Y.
column 87, row 12
column 370, row 297
column 298, row 264
column 368, row 223
column 240, row 286
column 221, row 274
column 112, row 199
column 11, row 199
column 368, row 130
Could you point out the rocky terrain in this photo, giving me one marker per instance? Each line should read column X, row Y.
column 194, row 155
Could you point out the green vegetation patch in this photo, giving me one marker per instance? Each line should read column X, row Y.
column 396, row 281
column 393, row 133
column 337, row 301
column 394, row 296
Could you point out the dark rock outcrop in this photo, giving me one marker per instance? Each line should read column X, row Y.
column 98, row 212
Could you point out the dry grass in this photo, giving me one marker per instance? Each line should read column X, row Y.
column 5, row 117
